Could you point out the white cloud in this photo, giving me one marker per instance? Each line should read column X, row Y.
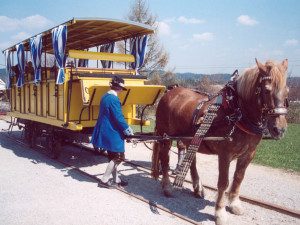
column 35, row 21
column 191, row 20
column 291, row 42
column 21, row 36
column 206, row 36
column 246, row 20
column 8, row 24
column 163, row 28
column 31, row 22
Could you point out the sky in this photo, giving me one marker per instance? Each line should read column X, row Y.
column 215, row 36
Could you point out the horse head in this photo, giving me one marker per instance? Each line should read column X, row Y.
column 263, row 96
column 273, row 96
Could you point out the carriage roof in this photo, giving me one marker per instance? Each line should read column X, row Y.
column 85, row 33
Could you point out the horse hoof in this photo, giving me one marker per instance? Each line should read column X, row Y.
column 221, row 217
column 237, row 211
column 220, row 221
column 236, row 207
column 168, row 194
column 199, row 194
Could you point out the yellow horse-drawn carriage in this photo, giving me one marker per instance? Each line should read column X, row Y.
column 54, row 92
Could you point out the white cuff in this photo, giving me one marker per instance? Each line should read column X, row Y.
column 128, row 131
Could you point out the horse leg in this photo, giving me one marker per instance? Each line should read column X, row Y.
column 197, row 184
column 220, row 214
column 164, row 159
column 234, row 200
column 181, row 154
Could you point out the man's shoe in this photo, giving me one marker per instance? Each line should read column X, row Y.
column 109, row 184
column 123, row 183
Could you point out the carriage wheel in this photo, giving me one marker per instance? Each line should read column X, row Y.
column 53, row 145
column 27, row 133
column 30, row 134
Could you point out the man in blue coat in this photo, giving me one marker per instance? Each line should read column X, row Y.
column 110, row 131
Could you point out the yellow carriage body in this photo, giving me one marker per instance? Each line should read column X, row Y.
column 74, row 105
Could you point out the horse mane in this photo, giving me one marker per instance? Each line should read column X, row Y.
column 247, row 81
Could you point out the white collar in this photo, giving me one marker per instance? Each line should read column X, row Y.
column 112, row 92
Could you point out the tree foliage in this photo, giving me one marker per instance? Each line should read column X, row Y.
column 156, row 57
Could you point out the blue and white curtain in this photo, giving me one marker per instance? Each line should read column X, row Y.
column 36, row 46
column 109, row 48
column 21, row 64
column 8, row 68
column 83, row 62
column 59, row 41
column 138, row 47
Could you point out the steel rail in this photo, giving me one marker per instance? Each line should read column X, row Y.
column 93, row 177
column 253, row 201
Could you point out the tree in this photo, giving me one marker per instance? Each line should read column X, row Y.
column 156, row 79
column 156, row 57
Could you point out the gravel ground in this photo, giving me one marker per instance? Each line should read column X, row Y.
column 37, row 190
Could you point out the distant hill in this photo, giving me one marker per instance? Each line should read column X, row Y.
column 218, row 78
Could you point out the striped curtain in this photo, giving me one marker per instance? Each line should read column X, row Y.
column 8, row 68
column 138, row 49
column 21, row 64
column 83, row 62
column 36, row 46
column 109, row 48
column 59, row 41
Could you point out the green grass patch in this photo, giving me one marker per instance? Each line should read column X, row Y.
column 284, row 154
column 146, row 129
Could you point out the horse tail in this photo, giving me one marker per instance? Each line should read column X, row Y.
column 155, row 160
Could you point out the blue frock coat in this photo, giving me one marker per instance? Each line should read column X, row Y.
column 108, row 132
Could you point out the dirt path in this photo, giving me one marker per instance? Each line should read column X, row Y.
column 271, row 185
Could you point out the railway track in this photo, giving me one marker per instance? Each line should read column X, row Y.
column 260, row 203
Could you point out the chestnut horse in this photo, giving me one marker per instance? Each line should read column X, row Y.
column 260, row 95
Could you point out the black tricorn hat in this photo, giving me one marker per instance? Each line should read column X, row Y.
column 118, row 82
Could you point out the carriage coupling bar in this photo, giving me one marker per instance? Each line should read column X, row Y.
column 145, row 138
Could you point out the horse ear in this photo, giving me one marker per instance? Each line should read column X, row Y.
column 262, row 68
column 285, row 64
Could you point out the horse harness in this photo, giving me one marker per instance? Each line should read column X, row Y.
column 227, row 98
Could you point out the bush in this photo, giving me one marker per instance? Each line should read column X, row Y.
column 293, row 115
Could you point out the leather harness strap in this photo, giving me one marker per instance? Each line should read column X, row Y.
column 208, row 118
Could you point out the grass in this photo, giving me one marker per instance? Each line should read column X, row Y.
column 146, row 129
column 284, row 154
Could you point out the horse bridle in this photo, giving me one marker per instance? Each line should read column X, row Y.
column 268, row 111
